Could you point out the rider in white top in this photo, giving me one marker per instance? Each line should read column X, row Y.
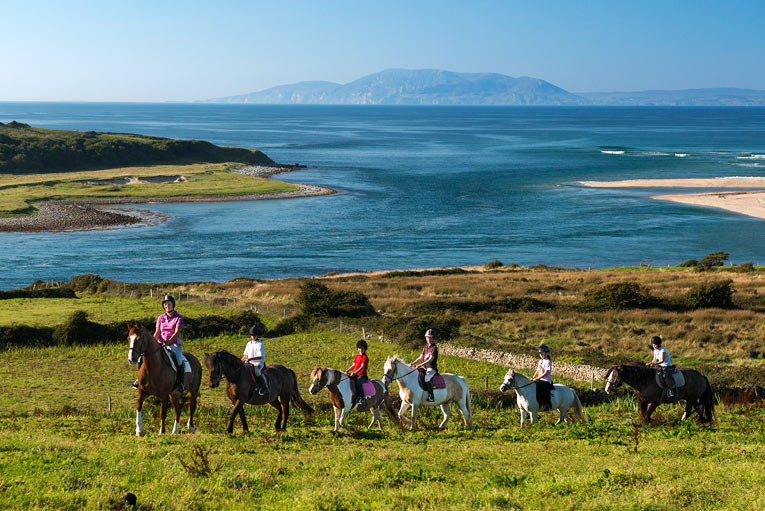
column 255, row 355
column 662, row 360
column 543, row 378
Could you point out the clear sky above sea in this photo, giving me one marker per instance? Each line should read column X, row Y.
column 188, row 50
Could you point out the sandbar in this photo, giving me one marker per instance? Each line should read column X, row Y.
column 745, row 203
column 712, row 182
column 57, row 216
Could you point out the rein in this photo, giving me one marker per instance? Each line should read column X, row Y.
column 399, row 377
column 145, row 351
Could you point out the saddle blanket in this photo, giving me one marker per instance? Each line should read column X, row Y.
column 676, row 375
column 368, row 386
column 437, row 381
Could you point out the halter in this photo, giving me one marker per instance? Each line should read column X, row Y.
column 333, row 384
column 514, row 386
column 617, row 380
column 144, row 348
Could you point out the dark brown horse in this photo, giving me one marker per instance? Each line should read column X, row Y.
column 156, row 377
column 697, row 393
column 282, row 388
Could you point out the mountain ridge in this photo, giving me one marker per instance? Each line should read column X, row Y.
column 441, row 87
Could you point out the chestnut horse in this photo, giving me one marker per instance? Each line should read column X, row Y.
column 241, row 389
column 697, row 392
column 156, row 377
column 340, row 395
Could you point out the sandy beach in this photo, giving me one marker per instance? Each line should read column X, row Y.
column 57, row 216
column 749, row 203
column 715, row 182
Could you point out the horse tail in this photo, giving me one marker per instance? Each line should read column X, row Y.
column 390, row 412
column 706, row 403
column 578, row 407
column 296, row 398
column 468, row 405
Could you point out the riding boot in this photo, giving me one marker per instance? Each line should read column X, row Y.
column 185, row 383
column 262, row 384
column 429, row 386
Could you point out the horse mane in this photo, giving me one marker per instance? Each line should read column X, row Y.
column 396, row 358
column 226, row 359
column 637, row 374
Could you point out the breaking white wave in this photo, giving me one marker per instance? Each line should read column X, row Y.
column 752, row 157
column 606, row 151
column 682, row 155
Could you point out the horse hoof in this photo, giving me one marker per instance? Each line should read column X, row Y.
column 140, row 433
column 192, row 429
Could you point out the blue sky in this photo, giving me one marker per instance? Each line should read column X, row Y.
column 183, row 51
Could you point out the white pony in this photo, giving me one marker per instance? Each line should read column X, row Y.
column 411, row 393
column 339, row 386
column 562, row 398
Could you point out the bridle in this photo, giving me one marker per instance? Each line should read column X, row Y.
column 511, row 384
column 388, row 377
column 319, row 385
column 143, row 350
column 613, row 379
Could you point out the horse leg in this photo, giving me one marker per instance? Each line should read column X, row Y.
column 286, row 412
column 447, row 413
column 175, row 400
column 533, row 416
column 688, row 410
column 414, row 417
column 192, row 408
column 650, row 407
column 376, row 418
column 278, row 405
column 337, row 418
column 402, row 411
column 238, row 407
column 343, row 414
column 139, row 431
column 523, row 415
column 163, row 414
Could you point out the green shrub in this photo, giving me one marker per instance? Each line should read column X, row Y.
column 503, row 305
column 711, row 295
column 78, row 330
column 316, row 299
column 84, row 283
column 444, row 327
column 746, row 267
column 714, row 259
column 690, row 263
column 51, row 292
column 496, row 263
column 23, row 335
column 618, row 296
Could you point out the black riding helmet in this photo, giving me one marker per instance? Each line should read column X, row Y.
column 362, row 344
column 256, row 330
column 168, row 298
column 543, row 349
column 656, row 340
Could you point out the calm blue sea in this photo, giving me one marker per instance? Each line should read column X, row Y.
column 422, row 187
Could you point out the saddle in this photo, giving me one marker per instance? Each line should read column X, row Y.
column 368, row 386
column 251, row 371
column 437, row 381
column 672, row 373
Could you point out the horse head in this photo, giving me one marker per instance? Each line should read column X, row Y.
column 390, row 369
column 318, row 380
column 509, row 381
column 136, row 338
column 613, row 379
column 213, row 367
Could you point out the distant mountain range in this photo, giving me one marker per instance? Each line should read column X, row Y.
column 437, row 87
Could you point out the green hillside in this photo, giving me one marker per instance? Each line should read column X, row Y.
column 27, row 149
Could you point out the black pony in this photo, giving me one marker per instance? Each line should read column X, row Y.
column 697, row 393
column 282, row 384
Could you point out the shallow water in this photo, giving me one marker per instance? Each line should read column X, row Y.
column 421, row 187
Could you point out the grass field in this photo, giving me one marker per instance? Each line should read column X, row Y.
column 61, row 449
column 19, row 191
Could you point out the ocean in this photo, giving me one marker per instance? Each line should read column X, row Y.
column 421, row 187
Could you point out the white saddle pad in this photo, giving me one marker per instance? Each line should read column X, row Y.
column 677, row 375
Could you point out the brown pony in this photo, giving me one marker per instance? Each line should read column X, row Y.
column 156, row 377
column 282, row 388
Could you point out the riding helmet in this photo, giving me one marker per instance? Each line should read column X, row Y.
column 543, row 349
column 168, row 298
column 656, row 340
column 255, row 330
column 362, row 344
column 429, row 333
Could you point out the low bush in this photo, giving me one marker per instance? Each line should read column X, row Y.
column 496, row 263
column 79, row 330
column 51, row 292
column 690, row 263
column 444, row 327
column 714, row 259
column 316, row 299
column 503, row 305
column 23, row 335
column 425, row 273
column 711, row 295
column 618, row 296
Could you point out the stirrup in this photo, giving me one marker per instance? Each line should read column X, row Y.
column 262, row 391
column 134, row 384
column 431, row 398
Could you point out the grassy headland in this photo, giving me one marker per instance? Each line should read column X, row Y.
column 26, row 149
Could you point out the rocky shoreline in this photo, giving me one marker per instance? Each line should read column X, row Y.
column 58, row 216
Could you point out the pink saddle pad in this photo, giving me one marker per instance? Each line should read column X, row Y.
column 438, row 382
column 369, row 389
